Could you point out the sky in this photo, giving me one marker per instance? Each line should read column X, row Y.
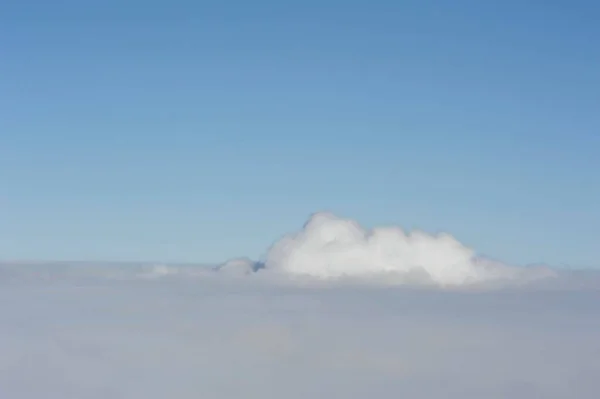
column 199, row 131
column 129, row 332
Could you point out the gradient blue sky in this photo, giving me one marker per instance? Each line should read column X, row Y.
column 198, row 131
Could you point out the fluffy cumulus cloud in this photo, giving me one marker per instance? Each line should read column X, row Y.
column 329, row 247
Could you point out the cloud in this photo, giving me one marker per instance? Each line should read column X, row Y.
column 329, row 247
column 94, row 330
column 239, row 266
column 97, row 331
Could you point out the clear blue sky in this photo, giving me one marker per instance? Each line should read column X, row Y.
column 197, row 131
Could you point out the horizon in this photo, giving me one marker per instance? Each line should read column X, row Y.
column 265, row 199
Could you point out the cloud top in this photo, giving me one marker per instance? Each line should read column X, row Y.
column 331, row 247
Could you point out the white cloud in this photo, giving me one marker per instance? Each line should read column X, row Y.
column 183, row 331
column 110, row 331
column 329, row 247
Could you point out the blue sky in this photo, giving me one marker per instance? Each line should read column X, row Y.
column 199, row 131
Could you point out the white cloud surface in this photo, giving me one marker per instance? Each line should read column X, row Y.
column 306, row 321
column 331, row 248
column 109, row 331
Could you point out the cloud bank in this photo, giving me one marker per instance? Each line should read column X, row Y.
column 329, row 247
column 175, row 331
column 94, row 330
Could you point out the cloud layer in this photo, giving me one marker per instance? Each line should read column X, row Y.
column 329, row 247
column 127, row 331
